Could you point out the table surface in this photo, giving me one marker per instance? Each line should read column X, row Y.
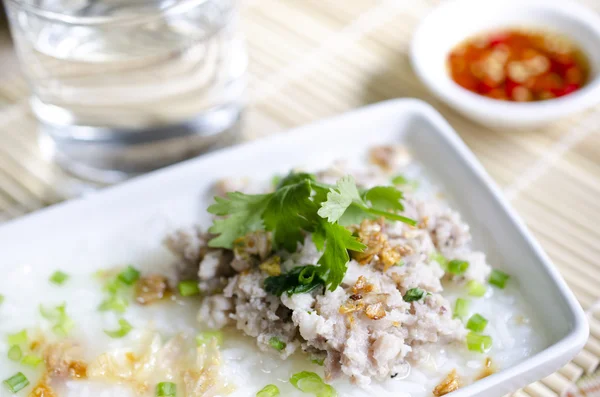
column 311, row 59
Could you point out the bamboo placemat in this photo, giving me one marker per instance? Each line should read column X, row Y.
column 311, row 59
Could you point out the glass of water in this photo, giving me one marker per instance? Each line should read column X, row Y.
column 122, row 87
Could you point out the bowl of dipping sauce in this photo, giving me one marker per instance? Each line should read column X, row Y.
column 515, row 63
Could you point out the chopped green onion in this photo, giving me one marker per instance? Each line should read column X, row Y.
column 399, row 180
column 476, row 288
column 477, row 323
column 15, row 353
column 59, row 278
column 402, row 180
column 206, row 337
column 317, row 360
column 307, row 275
column 439, row 258
column 32, row 360
column 54, row 313
column 399, row 263
column 62, row 310
column 479, row 343
column 461, row 307
column 309, row 382
column 62, row 329
column 498, row 278
column 188, row 288
column 413, row 294
column 457, row 266
column 49, row 314
column 16, row 383
column 277, row 343
column 129, row 276
column 119, row 291
column 18, row 338
column 121, row 332
column 115, row 304
column 328, row 390
column 307, row 379
column 268, row 391
column 1, row 299
column 166, row 389
column 66, row 325
column 62, row 322
column 114, row 286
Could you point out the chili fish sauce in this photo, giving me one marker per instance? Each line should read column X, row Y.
column 519, row 65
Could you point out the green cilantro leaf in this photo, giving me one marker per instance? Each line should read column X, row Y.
column 390, row 216
column 337, row 241
column 294, row 178
column 339, row 200
column 385, row 198
column 244, row 213
column 346, row 206
column 286, row 214
column 354, row 215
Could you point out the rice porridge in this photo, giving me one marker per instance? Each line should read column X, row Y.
column 356, row 280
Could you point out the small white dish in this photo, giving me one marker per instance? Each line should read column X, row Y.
column 457, row 20
column 126, row 223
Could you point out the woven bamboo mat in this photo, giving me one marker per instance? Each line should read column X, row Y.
column 311, row 59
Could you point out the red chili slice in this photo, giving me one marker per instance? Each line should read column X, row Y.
column 498, row 39
column 509, row 87
column 483, row 88
column 569, row 88
column 561, row 66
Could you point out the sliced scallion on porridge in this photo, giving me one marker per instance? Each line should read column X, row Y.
column 357, row 277
column 59, row 278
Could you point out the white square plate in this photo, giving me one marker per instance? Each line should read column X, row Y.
column 97, row 231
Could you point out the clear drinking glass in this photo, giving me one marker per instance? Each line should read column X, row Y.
column 126, row 86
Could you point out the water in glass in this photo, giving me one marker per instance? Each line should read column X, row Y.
column 121, row 86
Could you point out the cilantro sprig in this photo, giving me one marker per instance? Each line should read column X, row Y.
column 348, row 206
column 244, row 215
column 301, row 205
